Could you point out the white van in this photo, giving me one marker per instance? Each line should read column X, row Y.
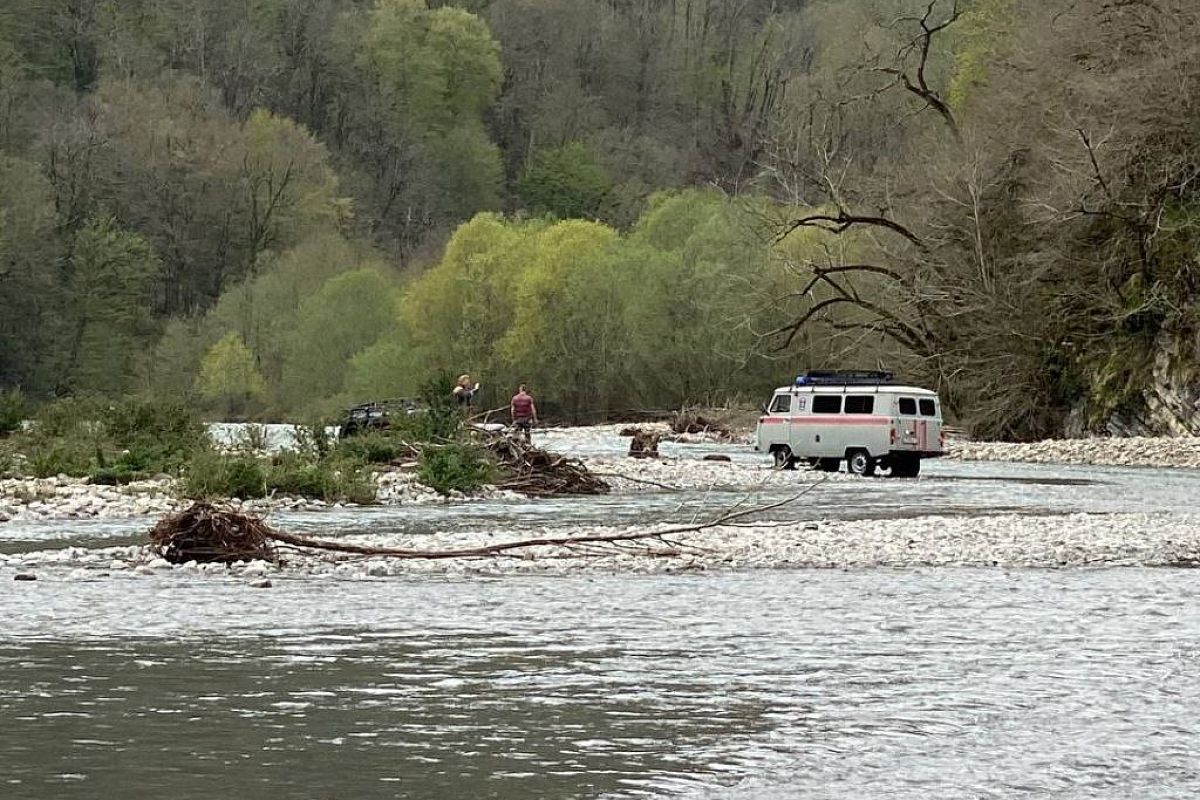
column 864, row 418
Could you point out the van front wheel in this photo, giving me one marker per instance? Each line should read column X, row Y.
column 859, row 462
column 784, row 458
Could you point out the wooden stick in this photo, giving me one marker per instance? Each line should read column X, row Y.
column 503, row 548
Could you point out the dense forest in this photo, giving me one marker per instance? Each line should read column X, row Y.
column 274, row 208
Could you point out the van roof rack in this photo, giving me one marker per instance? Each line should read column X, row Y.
column 844, row 378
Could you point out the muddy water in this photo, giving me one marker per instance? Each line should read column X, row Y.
column 947, row 683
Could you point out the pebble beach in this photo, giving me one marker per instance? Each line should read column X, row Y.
column 1005, row 540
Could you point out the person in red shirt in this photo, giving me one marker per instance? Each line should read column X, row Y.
column 524, row 413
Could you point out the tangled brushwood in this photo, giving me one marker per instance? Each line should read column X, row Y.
column 207, row 534
column 535, row 472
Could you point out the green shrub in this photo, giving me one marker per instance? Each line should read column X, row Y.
column 314, row 440
column 158, row 435
column 210, row 474
column 453, row 467
column 332, row 481
column 116, row 475
column 373, row 447
column 45, row 459
column 12, row 411
column 70, row 416
column 10, row 465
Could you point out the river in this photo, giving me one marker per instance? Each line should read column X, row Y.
column 943, row 683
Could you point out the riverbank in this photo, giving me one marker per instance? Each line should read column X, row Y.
column 66, row 498
column 1002, row 541
column 1160, row 452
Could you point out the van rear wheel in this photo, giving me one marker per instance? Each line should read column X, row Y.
column 859, row 462
column 784, row 458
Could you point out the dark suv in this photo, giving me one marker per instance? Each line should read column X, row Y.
column 374, row 416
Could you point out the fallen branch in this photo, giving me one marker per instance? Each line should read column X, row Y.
column 205, row 533
column 632, row 479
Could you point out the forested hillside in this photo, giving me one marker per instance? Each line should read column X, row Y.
column 277, row 207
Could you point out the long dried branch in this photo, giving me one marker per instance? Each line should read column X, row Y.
column 503, row 548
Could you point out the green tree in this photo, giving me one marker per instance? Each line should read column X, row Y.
column 346, row 316
column 567, row 336
column 113, row 278
column 229, row 379
column 457, row 311
column 30, row 288
column 565, row 182
column 430, row 74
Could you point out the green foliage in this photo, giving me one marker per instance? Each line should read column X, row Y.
column 210, row 474
column 13, row 410
column 112, row 442
column 346, row 316
column 154, row 436
column 72, row 457
column 980, row 34
column 432, row 73
column 384, row 369
column 329, row 480
column 454, row 468
column 374, row 447
column 565, row 182
column 113, row 275
column 229, row 378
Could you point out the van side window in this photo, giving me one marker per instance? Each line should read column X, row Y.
column 827, row 404
column 782, row 404
column 908, row 406
column 860, row 404
column 928, row 409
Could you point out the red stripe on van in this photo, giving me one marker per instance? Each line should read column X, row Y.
column 832, row 419
column 842, row 419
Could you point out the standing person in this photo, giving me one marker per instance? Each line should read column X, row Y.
column 524, row 413
column 464, row 391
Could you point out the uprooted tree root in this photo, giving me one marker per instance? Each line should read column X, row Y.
column 207, row 534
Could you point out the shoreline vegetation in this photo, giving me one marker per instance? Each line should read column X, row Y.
column 386, row 469
column 77, row 459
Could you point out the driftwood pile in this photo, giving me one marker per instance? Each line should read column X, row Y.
column 540, row 473
column 207, row 534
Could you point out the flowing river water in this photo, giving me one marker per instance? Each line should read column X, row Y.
column 946, row 683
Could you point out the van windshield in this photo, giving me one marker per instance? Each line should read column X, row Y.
column 782, row 404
